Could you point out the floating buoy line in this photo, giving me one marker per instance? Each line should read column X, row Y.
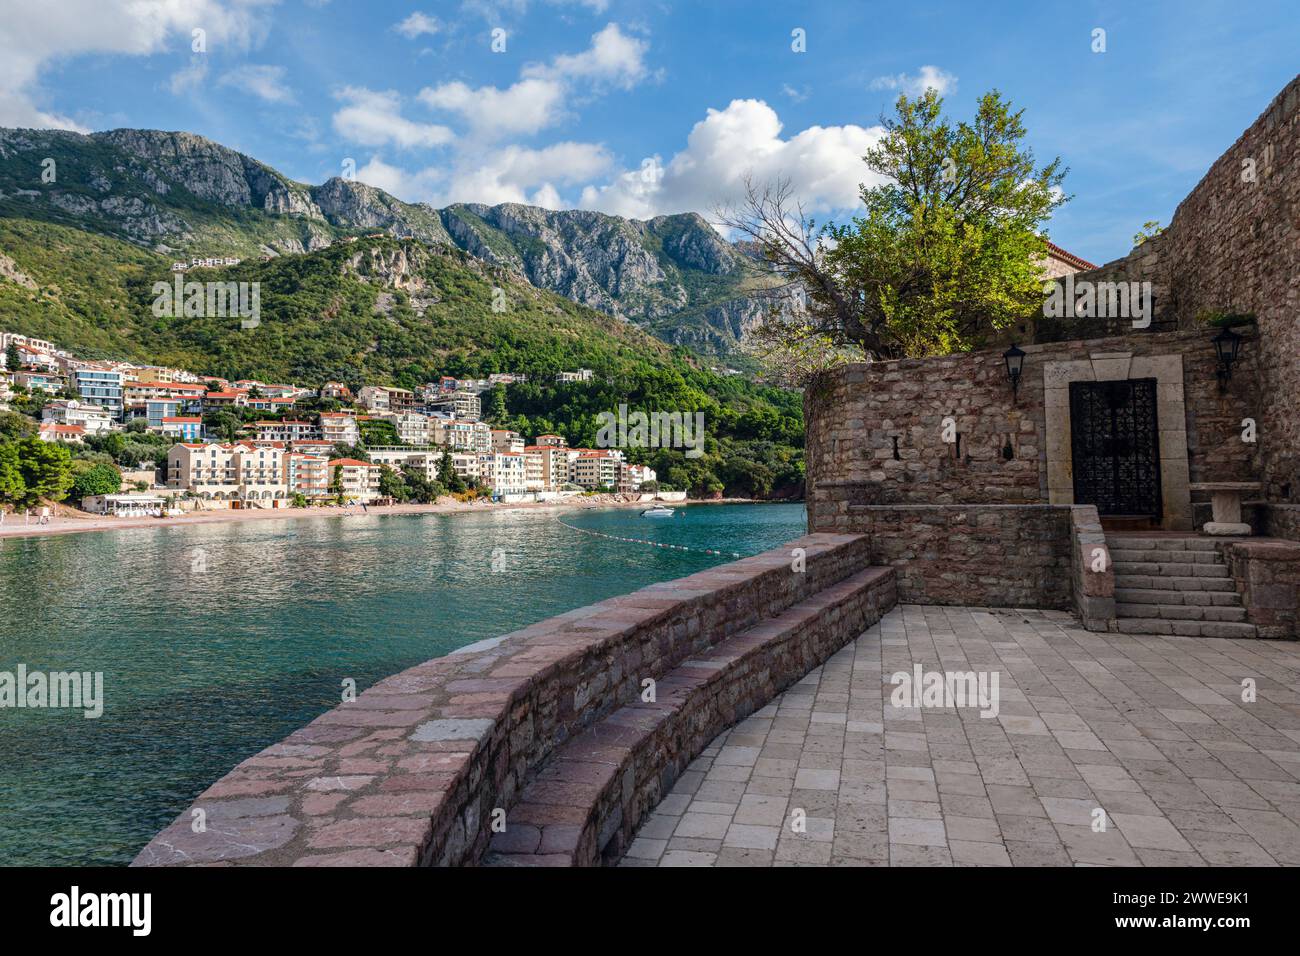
column 653, row 544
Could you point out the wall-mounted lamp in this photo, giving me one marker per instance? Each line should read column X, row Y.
column 1015, row 359
column 1226, row 345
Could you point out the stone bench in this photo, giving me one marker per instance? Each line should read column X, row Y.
column 584, row 806
column 1226, row 501
column 416, row 770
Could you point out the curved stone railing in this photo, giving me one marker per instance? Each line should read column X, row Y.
column 420, row 766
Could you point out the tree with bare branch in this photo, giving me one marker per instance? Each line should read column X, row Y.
column 948, row 250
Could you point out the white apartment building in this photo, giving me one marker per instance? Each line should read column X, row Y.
column 308, row 475
column 534, row 477
column 634, row 476
column 459, row 404
column 553, row 441
column 358, row 479
column 412, row 428
column 337, row 428
column 504, row 473
column 286, row 430
column 466, row 465
column 462, row 435
column 93, row 418
column 426, row 461
column 581, row 375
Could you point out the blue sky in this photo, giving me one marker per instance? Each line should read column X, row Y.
column 642, row 107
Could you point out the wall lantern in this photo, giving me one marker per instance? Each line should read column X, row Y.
column 1226, row 345
column 1015, row 359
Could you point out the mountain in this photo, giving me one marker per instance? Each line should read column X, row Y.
column 179, row 194
column 388, row 311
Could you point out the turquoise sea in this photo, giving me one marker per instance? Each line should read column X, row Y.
column 217, row 640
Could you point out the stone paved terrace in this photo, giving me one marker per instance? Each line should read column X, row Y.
column 1152, row 729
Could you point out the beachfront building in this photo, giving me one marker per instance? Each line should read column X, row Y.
column 633, row 477
column 465, row 464
column 597, row 468
column 241, row 474
column 307, row 475
column 554, row 463
column 504, row 473
column 94, row 418
column 534, row 479
column 358, row 480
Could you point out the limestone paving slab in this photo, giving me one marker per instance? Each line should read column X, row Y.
column 1107, row 750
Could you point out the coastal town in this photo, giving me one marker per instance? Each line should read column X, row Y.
column 288, row 445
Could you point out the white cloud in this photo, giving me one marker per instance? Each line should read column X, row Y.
column 538, row 98
column 417, row 24
column 192, row 77
column 510, row 174
column 525, row 107
column 613, row 57
column 264, row 82
column 929, row 77
column 373, row 118
column 36, row 35
column 823, row 163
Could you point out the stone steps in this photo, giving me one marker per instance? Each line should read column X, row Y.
column 1175, row 586
column 584, row 805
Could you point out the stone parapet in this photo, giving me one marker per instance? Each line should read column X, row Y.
column 420, row 766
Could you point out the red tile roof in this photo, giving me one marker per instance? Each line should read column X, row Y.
column 1057, row 252
column 352, row 462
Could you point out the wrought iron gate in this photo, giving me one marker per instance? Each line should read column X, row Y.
column 1115, row 446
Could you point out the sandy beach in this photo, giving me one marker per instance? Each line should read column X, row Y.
column 69, row 521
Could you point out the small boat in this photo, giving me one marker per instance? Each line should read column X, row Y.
column 658, row 511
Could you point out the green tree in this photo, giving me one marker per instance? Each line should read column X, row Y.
column 1150, row 229
column 391, row 484
column 46, row 469
column 447, row 476
column 13, row 488
column 947, row 251
column 94, row 479
column 14, row 426
column 12, row 361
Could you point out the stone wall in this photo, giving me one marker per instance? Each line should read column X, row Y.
column 1267, row 575
column 1234, row 245
column 411, row 772
column 880, row 426
column 1282, row 521
column 971, row 555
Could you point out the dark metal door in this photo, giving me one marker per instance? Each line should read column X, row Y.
column 1115, row 443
